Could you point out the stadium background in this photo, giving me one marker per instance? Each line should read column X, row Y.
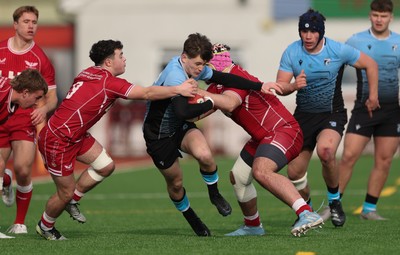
column 153, row 31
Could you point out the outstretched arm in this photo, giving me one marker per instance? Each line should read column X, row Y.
column 187, row 89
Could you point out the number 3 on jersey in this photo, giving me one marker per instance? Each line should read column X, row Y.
column 73, row 89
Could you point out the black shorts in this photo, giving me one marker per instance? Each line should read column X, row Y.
column 313, row 123
column 165, row 151
column 385, row 121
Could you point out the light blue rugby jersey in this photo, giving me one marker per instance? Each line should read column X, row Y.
column 321, row 94
column 386, row 53
column 160, row 118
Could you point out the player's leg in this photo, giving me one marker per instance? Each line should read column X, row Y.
column 23, row 157
column 353, row 146
column 241, row 178
column 196, row 145
column 101, row 166
column 297, row 173
column 65, row 186
column 6, row 182
column 174, row 179
column 327, row 143
column 385, row 148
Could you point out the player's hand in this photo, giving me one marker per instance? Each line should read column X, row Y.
column 372, row 105
column 38, row 115
column 188, row 88
column 271, row 88
column 300, row 80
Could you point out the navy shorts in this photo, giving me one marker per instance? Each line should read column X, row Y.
column 385, row 121
column 313, row 123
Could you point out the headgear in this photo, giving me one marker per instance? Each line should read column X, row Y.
column 221, row 57
column 312, row 20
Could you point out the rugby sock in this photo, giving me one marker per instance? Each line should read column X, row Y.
column 77, row 196
column 23, row 199
column 333, row 194
column 300, row 206
column 253, row 221
column 369, row 204
column 47, row 222
column 211, row 179
column 6, row 180
column 309, row 202
column 182, row 205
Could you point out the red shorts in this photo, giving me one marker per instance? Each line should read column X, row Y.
column 289, row 141
column 18, row 127
column 59, row 155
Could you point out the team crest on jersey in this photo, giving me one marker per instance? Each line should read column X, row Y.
column 394, row 47
column 31, row 65
column 327, row 61
column 3, row 61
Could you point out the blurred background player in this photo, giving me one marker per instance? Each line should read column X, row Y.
column 276, row 139
column 167, row 132
column 23, row 91
column 19, row 136
column 66, row 139
column 315, row 62
column 381, row 44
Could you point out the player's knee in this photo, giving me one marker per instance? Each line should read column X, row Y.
column 241, row 179
column 300, row 183
column 326, row 154
column 101, row 167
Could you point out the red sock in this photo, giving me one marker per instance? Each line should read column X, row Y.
column 77, row 196
column 253, row 223
column 22, row 200
column 303, row 208
column 6, row 180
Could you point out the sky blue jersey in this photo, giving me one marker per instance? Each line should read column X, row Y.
column 386, row 53
column 160, row 118
column 323, row 92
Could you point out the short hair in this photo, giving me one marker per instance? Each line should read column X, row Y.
column 21, row 10
column 314, row 21
column 29, row 79
column 198, row 45
column 382, row 6
column 104, row 49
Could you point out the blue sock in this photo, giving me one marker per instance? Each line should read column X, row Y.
column 368, row 207
column 210, row 178
column 333, row 196
column 183, row 204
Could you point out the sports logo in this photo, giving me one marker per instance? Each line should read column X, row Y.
column 358, row 126
column 68, row 167
column 327, row 61
column 3, row 61
column 394, row 48
column 31, row 65
column 333, row 123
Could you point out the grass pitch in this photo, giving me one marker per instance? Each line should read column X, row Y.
column 130, row 213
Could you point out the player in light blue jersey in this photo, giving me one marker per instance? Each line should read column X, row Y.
column 167, row 133
column 315, row 62
column 381, row 44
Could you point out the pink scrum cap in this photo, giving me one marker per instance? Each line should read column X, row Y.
column 221, row 57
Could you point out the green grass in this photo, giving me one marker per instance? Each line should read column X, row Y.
column 130, row 213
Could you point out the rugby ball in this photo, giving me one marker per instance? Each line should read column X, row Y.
column 197, row 99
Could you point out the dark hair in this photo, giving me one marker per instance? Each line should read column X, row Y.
column 29, row 79
column 198, row 45
column 382, row 5
column 104, row 49
column 314, row 21
column 21, row 10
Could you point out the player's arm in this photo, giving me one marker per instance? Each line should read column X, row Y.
column 44, row 106
column 187, row 89
column 284, row 79
column 371, row 69
column 227, row 101
column 186, row 111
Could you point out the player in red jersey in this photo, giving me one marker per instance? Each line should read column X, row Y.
column 65, row 138
column 23, row 91
column 17, row 54
column 276, row 139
